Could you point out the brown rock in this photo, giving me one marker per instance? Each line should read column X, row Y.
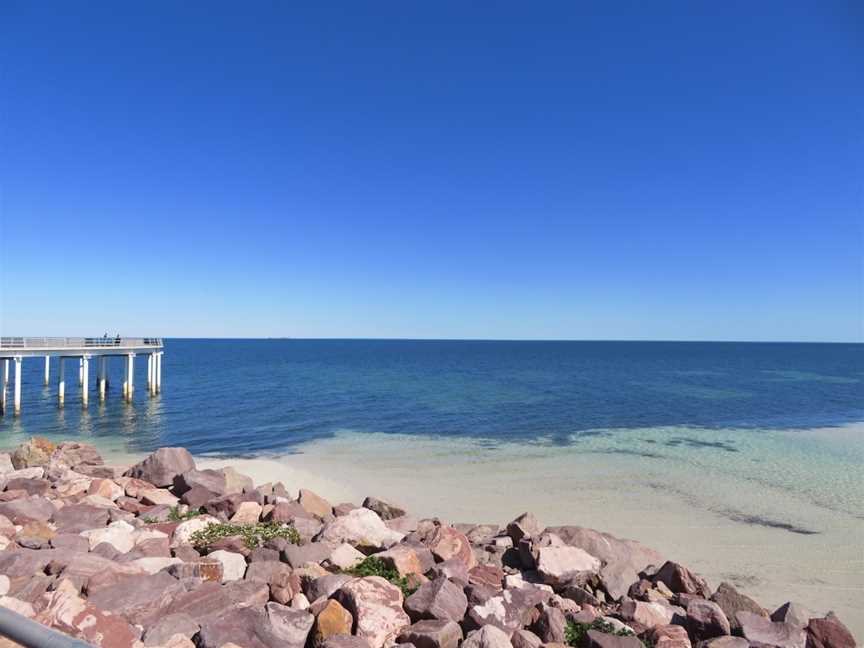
column 608, row 548
column 487, row 575
column 679, row 579
column 439, row 599
column 524, row 526
column 550, row 625
column 27, row 509
column 376, row 606
column 345, row 641
column 35, row 452
column 432, row 633
column 408, row 559
column 77, row 455
column 208, row 570
column 758, row 629
column 169, row 625
column 447, row 543
column 68, row 612
column 520, row 638
column 705, row 620
column 828, row 633
column 596, row 639
column 315, row 504
column 161, row 467
column 140, row 599
column 731, row 601
column 35, row 535
column 385, row 510
column 669, row 636
column 30, row 486
column 332, row 619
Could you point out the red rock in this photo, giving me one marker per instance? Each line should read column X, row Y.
column 315, row 504
column 34, row 452
column 679, row 579
column 432, row 634
column 376, row 606
column 487, row 575
column 447, row 543
column 161, row 467
column 439, row 599
column 731, row 601
column 829, row 633
column 669, row 636
column 385, row 510
column 140, row 599
column 68, row 612
column 705, row 620
column 27, row 509
column 524, row 526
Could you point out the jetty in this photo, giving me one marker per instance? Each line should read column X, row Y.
column 13, row 351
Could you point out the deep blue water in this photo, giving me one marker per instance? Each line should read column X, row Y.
column 252, row 396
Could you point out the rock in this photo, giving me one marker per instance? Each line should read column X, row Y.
column 233, row 564
column 617, row 578
column 649, row 615
column 168, row 626
column 140, row 599
column 705, row 620
column 432, row 633
column 732, row 601
column 446, row 543
column 453, row 569
column 361, row 528
column 299, row 555
column 725, row 642
column 375, row 604
column 408, row 559
column 758, row 629
column 490, row 636
column 797, row 615
column 210, row 482
column 403, row 524
column 438, row 599
column 71, row 541
column 205, row 569
column 247, row 513
column 212, row 599
column 35, row 535
column 486, row 575
column 550, row 625
column 154, row 564
column 331, row 620
column 315, row 504
column 76, row 455
column 117, row 534
column 608, row 548
column 35, row 452
column 185, row 530
column 29, row 485
column 345, row 641
column 68, row 612
column 274, row 626
column 345, row 557
column 21, row 607
column 158, row 497
column 325, row 585
column 27, row 509
column 75, row 518
column 288, row 512
column 291, row 627
column 6, row 463
column 828, row 633
column 161, row 467
column 524, row 526
column 385, row 510
column 596, row 639
column 681, row 580
column 105, row 488
column 520, row 638
column 557, row 565
column 669, row 636
column 510, row 610
column 4, row 585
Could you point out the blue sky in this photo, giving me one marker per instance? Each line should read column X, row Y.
column 674, row 170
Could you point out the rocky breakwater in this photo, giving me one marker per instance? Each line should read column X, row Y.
column 165, row 554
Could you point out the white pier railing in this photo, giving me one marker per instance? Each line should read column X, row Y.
column 77, row 342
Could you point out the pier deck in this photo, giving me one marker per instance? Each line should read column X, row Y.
column 13, row 350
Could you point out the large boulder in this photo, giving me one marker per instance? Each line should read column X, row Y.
column 681, row 580
column 490, row 636
column 448, row 543
column 161, row 467
column 439, row 599
column 331, row 619
column 758, row 629
column 597, row 639
column 669, row 636
column 509, row 610
column 731, row 601
column 361, row 528
column 432, row 633
column 315, row 504
column 274, row 626
column 376, row 606
column 558, row 564
column 27, row 509
column 608, row 548
column 140, row 599
column 168, row 626
column 829, row 632
column 706, row 620
column 76, row 455
column 649, row 615
column 34, row 452
column 233, row 564
column 550, row 625
column 408, row 558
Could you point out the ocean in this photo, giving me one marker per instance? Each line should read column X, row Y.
column 743, row 460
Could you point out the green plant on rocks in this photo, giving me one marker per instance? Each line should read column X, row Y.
column 574, row 633
column 373, row 566
column 174, row 514
column 253, row 535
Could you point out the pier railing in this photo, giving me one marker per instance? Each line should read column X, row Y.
column 78, row 342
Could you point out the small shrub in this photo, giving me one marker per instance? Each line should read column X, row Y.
column 176, row 516
column 574, row 633
column 253, row 535
column 373, row 566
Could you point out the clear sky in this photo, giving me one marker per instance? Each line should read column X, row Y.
column 629, row 170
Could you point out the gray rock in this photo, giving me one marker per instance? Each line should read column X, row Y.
column 161, row 467
column 432, row 633
column 439, row 599
column 385, row 510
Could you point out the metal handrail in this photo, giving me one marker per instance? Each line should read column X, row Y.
column 31, row 634
column 76, row 342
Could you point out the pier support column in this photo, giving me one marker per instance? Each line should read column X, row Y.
column 150, row 381
column 18, row 360
column 158, row 372
column 130, row 376
column 80, row 370
column 102, row 378
column 4, row 380
column 85, row 380
column 47, row 369
column 61, row 381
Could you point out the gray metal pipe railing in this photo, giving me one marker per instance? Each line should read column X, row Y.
column 8, row 342
column 31, row 634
